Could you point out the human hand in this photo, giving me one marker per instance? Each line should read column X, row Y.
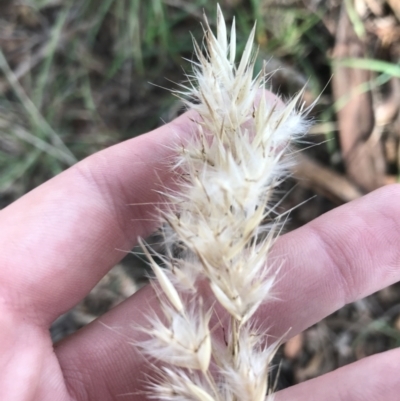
column 60, row 239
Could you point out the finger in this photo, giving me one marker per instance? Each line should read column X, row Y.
column 373, row 378
column 340, row 257
column 100, row 362
column 344, row 255
column 61, row 238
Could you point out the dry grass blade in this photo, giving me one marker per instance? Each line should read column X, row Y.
column 34, row 112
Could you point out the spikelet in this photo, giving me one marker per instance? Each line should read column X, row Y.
column 223, row 219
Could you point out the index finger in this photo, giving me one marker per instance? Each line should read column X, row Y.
column 61, row 238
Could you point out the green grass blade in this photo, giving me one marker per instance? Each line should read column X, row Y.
column 371, row 65
column 43, row 77
column 355, row 19
column 16, row 169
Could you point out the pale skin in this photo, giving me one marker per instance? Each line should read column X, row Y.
column 61, row 238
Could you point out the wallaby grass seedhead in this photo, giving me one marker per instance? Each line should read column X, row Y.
column 224, row 219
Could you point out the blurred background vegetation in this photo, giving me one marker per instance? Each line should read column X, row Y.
column 79, row 76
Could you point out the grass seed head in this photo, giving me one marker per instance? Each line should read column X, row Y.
column 224, row 219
